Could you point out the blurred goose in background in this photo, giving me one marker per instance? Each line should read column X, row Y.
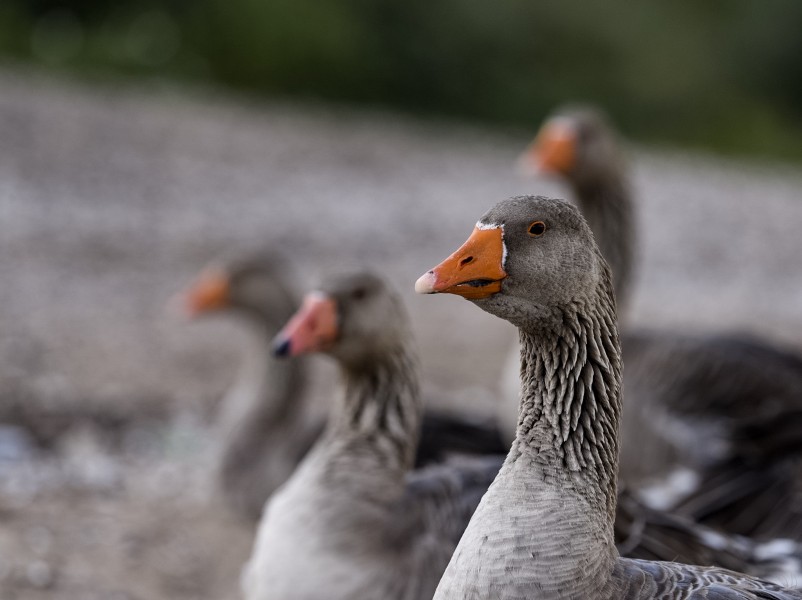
column 354, row 522
column 652, row 534
column 545, row 527
column 713, row 422
column 267, row 426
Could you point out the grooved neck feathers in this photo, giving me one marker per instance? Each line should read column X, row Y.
column 570, row 398
column 381, row 407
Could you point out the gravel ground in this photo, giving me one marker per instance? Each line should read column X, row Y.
column 112, row 199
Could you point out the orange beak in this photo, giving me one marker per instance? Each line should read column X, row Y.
column 312, row 329
column 209, row 292
column 553, row 151
column 474, row 271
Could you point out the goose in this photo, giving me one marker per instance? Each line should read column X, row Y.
column 266, row 425
column 713, row 423
column 354, row 521
column 544, row 529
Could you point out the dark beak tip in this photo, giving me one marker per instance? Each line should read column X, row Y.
column 281, row 348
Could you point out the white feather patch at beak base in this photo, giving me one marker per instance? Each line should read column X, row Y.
column 487, row 226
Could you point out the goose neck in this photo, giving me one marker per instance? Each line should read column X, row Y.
column 267, row 391
column 545, row 527
column 378, row 416
column 607, row 205
column 570, row 403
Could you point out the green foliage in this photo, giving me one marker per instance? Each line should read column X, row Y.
column 724, row 74
column 15, row 29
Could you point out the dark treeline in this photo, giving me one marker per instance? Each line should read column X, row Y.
column 722, row 74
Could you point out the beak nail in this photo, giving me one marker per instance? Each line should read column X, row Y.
column 281, row 348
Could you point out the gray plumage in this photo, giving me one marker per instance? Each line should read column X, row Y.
column 715, row 419
column 645, row 533
column 545, row 527
column 353, row 522
column 672, row 581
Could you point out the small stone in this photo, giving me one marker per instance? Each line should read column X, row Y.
column 16, row 444
column 39, row 574
column 39, row 539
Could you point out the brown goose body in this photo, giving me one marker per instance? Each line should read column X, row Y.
column 545, row 527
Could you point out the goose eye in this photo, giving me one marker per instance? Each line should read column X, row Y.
column 359, row 293
column 537, row 228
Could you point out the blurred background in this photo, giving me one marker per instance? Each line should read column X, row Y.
column 140, row 140
column 723, row 75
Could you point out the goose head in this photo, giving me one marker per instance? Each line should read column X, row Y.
column 357, row 319
column 528, row 259
column 249, row 285
column 576, row 143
